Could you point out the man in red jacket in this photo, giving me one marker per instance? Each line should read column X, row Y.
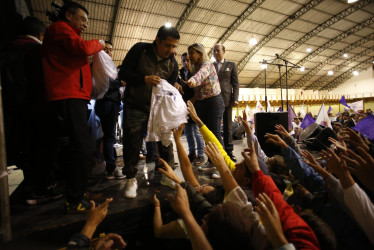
column 68, row 85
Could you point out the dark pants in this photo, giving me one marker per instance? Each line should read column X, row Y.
column 76, row 148
column 107, row 111
column 227, row 129
column 134, row 121
column 210, row 111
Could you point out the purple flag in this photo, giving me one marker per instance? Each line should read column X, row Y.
column 365, row 126
column 291, row 116
column 343, row 101
column 280, row 109
column 330, row 109
column 307, row 121
column 346, row 109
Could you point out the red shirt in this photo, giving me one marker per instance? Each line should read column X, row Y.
column 67, row 73
column 295, row 229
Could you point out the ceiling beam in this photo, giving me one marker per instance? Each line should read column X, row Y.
column 346, row 75
column 322, row 80
column 190, row 6
column 345, row 34
column 251, row 8
column 115, row 20
column 276, row 31
column 300, row 83
column 359, row 5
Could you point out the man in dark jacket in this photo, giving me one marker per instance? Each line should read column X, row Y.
column 68, row 85
column 143, row 67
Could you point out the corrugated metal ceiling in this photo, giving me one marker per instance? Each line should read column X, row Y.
column 208, row 21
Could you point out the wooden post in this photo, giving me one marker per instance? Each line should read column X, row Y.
column 6, row 231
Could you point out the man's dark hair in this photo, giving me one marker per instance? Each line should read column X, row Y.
column 32, row 26
column 108, row 43
column 71, row 7
column 164, row 32
column 184, row 54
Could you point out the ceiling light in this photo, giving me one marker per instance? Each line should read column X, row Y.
column 253, row 41
column 351, row 1
column 345, row 55
column 355, row 73
column 330, row 73
column 168, row 25
column 308, row 50
column 264, row 66
column 302, row 68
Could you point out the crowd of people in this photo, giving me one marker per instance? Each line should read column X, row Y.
column 295, row 200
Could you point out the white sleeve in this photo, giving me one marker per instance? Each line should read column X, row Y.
column 362, row 209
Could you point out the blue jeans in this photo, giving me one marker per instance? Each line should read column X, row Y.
column 192, row 133
column 107, row 111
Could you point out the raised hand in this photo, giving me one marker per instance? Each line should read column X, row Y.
column 276, row 140
column 193, row 114
column 250, row 159
column 168, row 171
column 271, row 221
column 281, row 131
column 110, row 241
column 311, row 161
column 215, row 156
column 332, row 161
column 179, row 87
column 179, row 202
column 354, row 138
column 178, row 132
column 339, row 144
column 97, row 214
column 245, row 123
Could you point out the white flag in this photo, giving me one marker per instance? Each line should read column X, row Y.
column 248, row 111
column 302, row 111
column 270, row 108
column 259, row 107
column 356, row 106
column 323, row 117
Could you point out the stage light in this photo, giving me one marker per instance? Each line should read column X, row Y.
column 351, row 1
column 168, row 25
column 253, row 41
column 355, row 73
column 345, row 55
column 308, row 50
column 302, row 68
column 330, row 73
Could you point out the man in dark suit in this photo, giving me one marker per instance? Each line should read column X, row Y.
column 228, row 79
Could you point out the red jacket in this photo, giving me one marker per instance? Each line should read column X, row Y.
column 295, row 229
column 67, row 73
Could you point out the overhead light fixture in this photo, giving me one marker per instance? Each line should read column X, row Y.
column 351, row 1
column 345, row 55
column 253, row 41
column 302, row 68
column 308, row 50
column 264, row 65
column 355, row 73
column 168, row 24
column 330, row 73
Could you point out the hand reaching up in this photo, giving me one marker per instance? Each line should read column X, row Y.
column 168, row 171
column 179, row 202
column 250, row 159
column 353, row 138
column 276, row 140
column 178, row 132
column 281, row 131
column 215, row 156
column 271, row 221
column 245, row 123
column 193, row 114
column 339, row 144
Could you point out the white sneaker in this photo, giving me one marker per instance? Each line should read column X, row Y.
column 216, row 175
column 130, row 188
column 167, row 182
